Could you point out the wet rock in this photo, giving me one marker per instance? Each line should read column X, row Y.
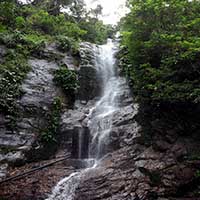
column 3, row 170
column 88, row 74
column 3, row 51
column 13, row 140
column 179, row 150
column 12, row 158
column 51, row 52
column 70, row 119
column 125, row 115
column 38, row 87
column 161, row 146
column 69, row 61
column 89, row 84
column 74, row 132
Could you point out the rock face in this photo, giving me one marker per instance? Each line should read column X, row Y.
column 88, row 73
column 39, row 93
column 3, row 51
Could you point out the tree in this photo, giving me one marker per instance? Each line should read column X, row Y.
column 78, row 10
column 97, row 11
column 52, row 6
column 162, row 37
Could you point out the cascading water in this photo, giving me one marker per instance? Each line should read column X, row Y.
column 100, row 119
column 100, row 122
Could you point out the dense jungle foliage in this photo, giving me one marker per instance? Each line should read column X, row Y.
column 161, row 49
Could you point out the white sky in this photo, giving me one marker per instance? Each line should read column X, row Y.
column 113, row 10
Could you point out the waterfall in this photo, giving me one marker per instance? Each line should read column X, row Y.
column 100, row 119
column 100, row 122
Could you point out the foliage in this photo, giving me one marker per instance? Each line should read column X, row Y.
column 67, row 79
column 97, row 32
column 67, row 44
column 34, row 42
column 164, row 47
column 42, row 21
column 49, row 134
column 20, row 22
column 12, row 70
column 197, row 174
column 52, row 6
column 39, row 18
column 7, row 12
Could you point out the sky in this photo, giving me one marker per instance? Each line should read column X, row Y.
column 113, row 10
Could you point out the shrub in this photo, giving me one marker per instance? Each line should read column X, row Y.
column 3, row 28
column 34, row 42
column 20, row 22
column 11, row 39
column 42, row 21
column 7, row 13
column 12, row 70
column 67, row 44
column 49, row 134
column 67, row 79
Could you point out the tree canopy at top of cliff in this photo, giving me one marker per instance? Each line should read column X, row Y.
column 45, row 17
column 163, row 42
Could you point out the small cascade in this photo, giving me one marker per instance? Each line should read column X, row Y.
column 66, row 187
column 80, row 142
column 99, row 120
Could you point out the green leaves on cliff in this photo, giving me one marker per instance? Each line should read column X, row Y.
column 12, row 72
column 49, row 135
column 67, row 44
column 67, row 79
column 162, row 38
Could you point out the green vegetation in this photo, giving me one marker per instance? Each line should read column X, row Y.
column 198, row 174
column 163, row 45
column 49, row 134
column 37, row 19
column 67, row 44
column 12, row 72
column 97, row 32
column 67, row 79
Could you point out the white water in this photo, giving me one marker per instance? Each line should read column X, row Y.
column 100, row 119
column 100, row 122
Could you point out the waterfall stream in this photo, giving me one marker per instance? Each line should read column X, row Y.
column 100, row 122
column 100, row 119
